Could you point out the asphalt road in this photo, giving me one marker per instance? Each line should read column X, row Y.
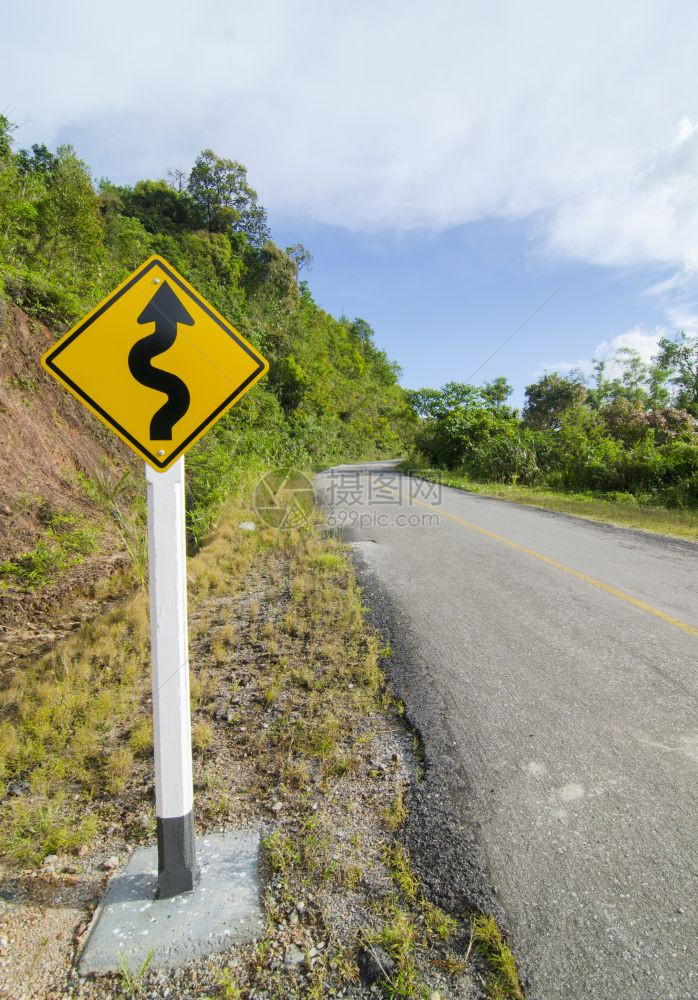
column 551, row 667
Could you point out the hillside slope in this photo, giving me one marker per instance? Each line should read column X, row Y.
column 56, row 461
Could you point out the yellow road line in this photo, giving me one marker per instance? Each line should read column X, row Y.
column 591, row 580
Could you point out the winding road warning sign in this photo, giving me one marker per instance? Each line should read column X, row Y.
column 156, row 363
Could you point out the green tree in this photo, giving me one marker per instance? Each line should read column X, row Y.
column 68, row 224
column 159, row 207
column 496, row 393
column 678, row 358
column 548, row 399
column 220, row 191
column 300, row 256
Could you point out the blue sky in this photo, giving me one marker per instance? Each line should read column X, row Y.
column 442, row 303
column 449, row 165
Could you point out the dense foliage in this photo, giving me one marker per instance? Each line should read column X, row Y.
column 633, row 436
column 331, row 394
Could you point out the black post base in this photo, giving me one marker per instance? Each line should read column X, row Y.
column 176, row 856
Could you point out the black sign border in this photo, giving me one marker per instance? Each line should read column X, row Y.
column 158, row 463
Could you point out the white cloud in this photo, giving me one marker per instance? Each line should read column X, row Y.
column 684, row 317
column 638, row 339
column 398, row 114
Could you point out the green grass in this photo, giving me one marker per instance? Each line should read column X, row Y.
column 33, row 831
column 395, row 814
column 621, row 509
column 503, row 981
column 66, row 542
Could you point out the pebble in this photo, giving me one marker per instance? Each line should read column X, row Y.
column 247, row 526
column 293, row 956
column 18, row 787
column 110, row 864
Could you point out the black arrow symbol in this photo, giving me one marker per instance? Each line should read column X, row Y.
column 166, row 311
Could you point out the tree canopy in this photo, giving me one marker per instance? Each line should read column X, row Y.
column 331, row 395
column 633, row 432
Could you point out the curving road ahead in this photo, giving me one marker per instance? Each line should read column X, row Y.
column 551, row 666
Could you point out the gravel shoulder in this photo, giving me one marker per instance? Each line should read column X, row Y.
column 295, row 730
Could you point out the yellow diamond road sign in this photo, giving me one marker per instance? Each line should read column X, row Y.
column 156, row 363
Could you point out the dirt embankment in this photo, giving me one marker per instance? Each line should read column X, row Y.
column 57, row 540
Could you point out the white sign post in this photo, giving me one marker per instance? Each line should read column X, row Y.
column 105, row 361
column 174, row 790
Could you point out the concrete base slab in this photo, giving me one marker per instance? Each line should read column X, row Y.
column 224, row 908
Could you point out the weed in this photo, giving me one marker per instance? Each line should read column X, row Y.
column 399, row 937
column 25, row 383
column 396, row 813
column 118, row 769
column 31, row 831
column 282, row 854
column 131, row 982
column 272, row 691
column 227, row 634
column 438, row 923
column 397, row 859
column 291, row 625
column 219, row 650
column 141, row 737
column 201, row 735
column 66, row 542
column 503, row 982
column 230, row 991
column 294, row 774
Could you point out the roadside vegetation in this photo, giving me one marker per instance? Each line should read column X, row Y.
column 293, row 727
column 293, row 723
column 624, row 512
column 621, row 448
column 65, row 241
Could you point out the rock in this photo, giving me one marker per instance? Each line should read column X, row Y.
column 247, row 526
column 110, row 864
column 293, row 956
column 18, row 787
column 82, row 850
column 375, row 966
column 50, row 859
column 276, row 807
